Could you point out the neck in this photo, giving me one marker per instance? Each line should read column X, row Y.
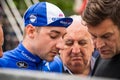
column 85, row 72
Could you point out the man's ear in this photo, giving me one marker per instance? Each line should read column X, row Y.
column 30, row 30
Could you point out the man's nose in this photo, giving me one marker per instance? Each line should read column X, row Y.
column 60, row 44
column 99, row 43
column 76, row 48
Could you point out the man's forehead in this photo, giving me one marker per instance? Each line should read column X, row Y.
column 78, row 34
column 77, row 23
column 79, row 31
column 53, row 28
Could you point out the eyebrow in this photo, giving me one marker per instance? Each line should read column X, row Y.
column 92, row 34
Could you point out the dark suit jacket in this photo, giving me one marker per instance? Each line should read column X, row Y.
column 107, row 68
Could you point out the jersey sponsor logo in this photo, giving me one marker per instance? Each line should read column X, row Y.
column 28, row 57
column 22, row 64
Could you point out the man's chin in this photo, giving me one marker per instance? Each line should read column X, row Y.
column 77, row 63
column 106, row 56
column 50, row 59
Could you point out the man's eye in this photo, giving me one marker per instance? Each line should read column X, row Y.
column 69, row 43
column 53, row 37
column 107, row 36
column 83, row 42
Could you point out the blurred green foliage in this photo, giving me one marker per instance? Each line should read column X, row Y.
column 65, row 5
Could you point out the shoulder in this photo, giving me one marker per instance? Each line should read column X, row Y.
column 54, row 66
column 57, row 62
column 4, row 60
column 8, row 59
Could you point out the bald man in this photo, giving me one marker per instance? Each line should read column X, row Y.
column 76, row 48
column 1, row 40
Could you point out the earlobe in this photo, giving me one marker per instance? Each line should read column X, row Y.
column 30, row 30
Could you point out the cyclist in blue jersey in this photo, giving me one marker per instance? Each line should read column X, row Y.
column 45, row 24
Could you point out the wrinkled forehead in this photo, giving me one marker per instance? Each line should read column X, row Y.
column 77, row 28
column 79, row 32
column 76, row 25
column 84, row 33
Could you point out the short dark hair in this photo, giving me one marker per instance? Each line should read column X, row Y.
column 98, row 10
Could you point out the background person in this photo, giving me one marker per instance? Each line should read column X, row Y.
column 103, row 20
column 45, row 24
column 1, row 40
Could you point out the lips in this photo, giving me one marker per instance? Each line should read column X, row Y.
column 55, row 52
column 105, row 52
column 76, row 58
